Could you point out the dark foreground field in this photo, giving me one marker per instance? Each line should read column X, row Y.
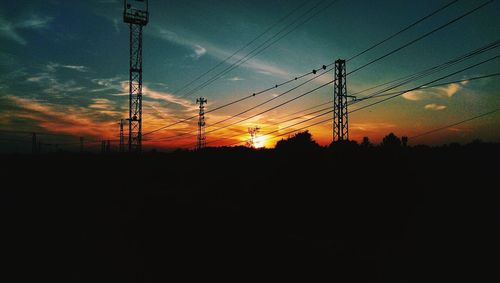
column 358, row 215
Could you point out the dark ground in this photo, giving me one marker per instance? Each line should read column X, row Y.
column 361, row 215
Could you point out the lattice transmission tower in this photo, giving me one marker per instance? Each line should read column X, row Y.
column 136, row 15
column 201, row 139
column 340, row 101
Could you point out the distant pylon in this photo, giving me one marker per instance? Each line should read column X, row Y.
column 122, row 138
column 34, row 144
column 136, row 15
column 340, row 112
column 253, row 135
column 201, row 124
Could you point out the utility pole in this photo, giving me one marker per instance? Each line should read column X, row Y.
column 136, row 15
column 201, row 124
column 253, row 135
column 122, row 138
column 340, row 112
column 34, row 145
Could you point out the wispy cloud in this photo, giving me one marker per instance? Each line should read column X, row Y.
column 414, row 95
column 371, row 127
column 235, row 79
column 105, row 84
column 168, row 97
column 197, row 49
column 434, row 107
column 264, row 72
column 52, row 67
column 162, row 96
column 50, row 82
column 34, row 22
column 66, row 119
column 56, row 87
column 101, row 103
column 452, row 89
column 198, row 52
column 437, row 92
column 76, row 68
column 202, row 47
column 9, row 31
column 38, row 78
column 12, row 30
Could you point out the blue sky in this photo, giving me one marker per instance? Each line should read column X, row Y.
column 64, row 64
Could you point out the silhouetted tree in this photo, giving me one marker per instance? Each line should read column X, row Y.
column 477, row 142
column 299, row 142
column 366, row 142
column 346, row 145
column 391, row 141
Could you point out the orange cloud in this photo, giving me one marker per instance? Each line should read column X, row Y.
column 61, row 119
column 435, row 107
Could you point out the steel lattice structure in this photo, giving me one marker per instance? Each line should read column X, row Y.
column 201, row 139
column 340, row 115
column 136, row 16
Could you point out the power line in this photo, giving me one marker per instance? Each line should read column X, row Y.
column 259, row 49
column 409, row 78
column 455, row 124
column 272, row 108
column 329, row 120
column 260, row 113
column 273, row 124
column 300, row 76
column 269, row 100
column 396, row 95
column 435, row 85
column 379, row 43
column 416, row 88
column 487, row 47
column 403, row 30
column 421, row 37
column 233, row 102
column 241, row 48
column 254, row 94
column 437, row 68
column 413, row 77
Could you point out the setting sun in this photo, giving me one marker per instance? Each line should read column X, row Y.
column 260, row 142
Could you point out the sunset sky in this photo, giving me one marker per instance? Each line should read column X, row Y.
column 64, row 68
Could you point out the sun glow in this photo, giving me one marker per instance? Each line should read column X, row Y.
column 260, row 142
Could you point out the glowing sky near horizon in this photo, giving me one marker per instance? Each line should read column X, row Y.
column 64, row 67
